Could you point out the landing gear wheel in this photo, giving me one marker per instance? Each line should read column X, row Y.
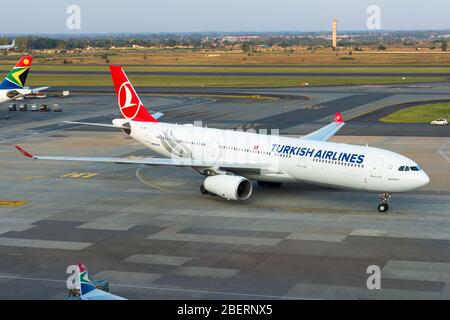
column 383, row 207
column 203, row 190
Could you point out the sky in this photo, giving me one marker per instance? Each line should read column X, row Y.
column 154, row 16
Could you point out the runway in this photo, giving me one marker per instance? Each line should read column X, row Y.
column 152, row 234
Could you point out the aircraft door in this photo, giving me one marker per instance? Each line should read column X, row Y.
column 301, row 162
column 377, row 167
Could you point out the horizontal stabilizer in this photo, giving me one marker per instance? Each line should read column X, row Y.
column 157, row 115
column 96, row 124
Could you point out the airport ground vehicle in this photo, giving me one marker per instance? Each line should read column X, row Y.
column 12, row 107
column 439, row 122
column 36, row 95
column 65, row 94
column 23, row 107
column 44, row 108
column 56, row 107
column 229, row 160
column 34, row 108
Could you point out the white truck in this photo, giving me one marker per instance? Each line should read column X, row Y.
column 439, row 122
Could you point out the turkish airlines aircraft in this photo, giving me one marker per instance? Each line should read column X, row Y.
column 231, row 159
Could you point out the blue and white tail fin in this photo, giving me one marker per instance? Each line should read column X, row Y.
column 88, row 290
column 86, row 284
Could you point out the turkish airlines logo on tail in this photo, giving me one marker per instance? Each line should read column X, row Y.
column 128, row 101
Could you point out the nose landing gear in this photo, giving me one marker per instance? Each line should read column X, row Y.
column 385, row 197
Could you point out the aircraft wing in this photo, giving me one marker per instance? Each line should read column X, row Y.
column 324, row 133
column 177, row 162
column 98, row 294
column 36, row 90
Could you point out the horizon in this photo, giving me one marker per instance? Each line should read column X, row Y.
column 199, row 16
column 242, row 32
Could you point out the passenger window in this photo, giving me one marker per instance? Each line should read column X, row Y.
column 402, row 168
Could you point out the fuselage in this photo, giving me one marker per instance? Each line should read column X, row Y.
column 287, row 159
column 10, row 94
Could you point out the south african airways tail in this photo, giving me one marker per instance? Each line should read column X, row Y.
column 88, row 290
column 13, row 86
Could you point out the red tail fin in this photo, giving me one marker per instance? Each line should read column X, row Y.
column 25, row 62
column 130, row 105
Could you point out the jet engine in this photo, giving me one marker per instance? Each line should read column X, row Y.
column 12, row 94
column 229, row 187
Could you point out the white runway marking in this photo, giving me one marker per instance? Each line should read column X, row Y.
column 138, row 175
column 444, row 151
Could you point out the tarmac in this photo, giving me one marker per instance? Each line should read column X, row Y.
column 152, row 235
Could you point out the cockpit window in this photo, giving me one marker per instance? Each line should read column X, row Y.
column 406, row 168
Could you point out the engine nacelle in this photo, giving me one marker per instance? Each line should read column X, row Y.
column 229, row 187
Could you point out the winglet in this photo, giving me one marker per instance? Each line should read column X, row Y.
column 338, row 118
column 25, row 153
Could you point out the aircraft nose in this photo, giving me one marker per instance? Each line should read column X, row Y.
column 425, row 179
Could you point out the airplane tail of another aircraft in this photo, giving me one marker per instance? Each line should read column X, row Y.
column 17, row 77
column 86, row 284
column 130, row 104
column 13, row 43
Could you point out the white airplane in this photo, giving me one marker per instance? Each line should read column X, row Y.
column 88, row 290
column 9, row 46
column 231, row 159
column 13, row 86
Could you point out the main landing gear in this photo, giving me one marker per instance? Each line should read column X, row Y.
column 385, row 197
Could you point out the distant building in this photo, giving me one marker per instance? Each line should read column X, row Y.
column 334, row 34
column 234, row 39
